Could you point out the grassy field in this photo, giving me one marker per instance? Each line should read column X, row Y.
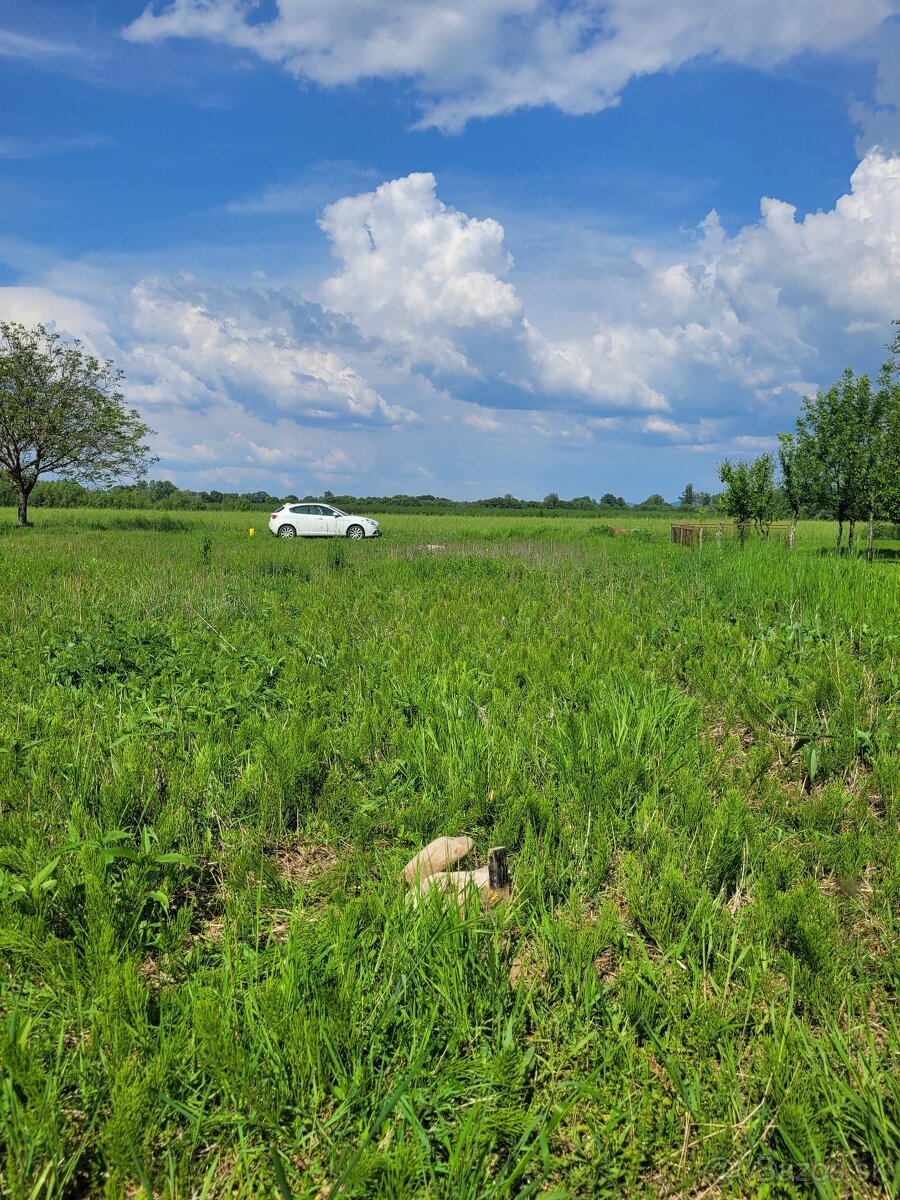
column 217, row 753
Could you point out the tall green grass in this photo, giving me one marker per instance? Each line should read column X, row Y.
column 217, row 752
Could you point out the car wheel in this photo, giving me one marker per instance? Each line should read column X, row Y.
column 287, row 531
column 356, row 532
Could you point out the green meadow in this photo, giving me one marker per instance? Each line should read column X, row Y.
column 217, row 753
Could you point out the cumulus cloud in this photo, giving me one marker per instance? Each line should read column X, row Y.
column 478, row 58
column 748, row 311
column 237, row 382
column 415, row 271
column 849, row 257
column 428, row 281
column 427, row 343
column 73, row 315
column 205, row 352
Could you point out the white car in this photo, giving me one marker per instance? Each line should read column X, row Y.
column 320, row 520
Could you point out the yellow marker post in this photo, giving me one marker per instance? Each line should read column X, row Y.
column 251, row 532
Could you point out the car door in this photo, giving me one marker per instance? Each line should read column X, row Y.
column 304, row 521
column 328, row 520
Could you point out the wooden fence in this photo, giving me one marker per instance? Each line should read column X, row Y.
column 691, row 535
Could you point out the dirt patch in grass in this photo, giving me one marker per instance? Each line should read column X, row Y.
column 303, row 863
column 850, row 887
column 525, row 968
column 607, row 965
column 154, row 974
column 720, row 731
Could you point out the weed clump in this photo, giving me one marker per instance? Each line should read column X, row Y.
column 139, row 523
column 336, row 559
column 282, row 568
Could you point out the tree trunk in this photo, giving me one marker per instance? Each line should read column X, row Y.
column 22, row 504
column 851, row 535
column 870, row 536
column 840, row 533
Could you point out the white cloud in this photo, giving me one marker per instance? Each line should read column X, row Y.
column 38, row 49
column 71, row 315
column 477, row 58
column 427, row 280
column 481, row 419
column 751, row 314
column 658, row 425
column 415, row 271
column 705, row 344
column 335, row 463
column 745, row 311
column 208, row 352
column 612, row 367
column 234, row 389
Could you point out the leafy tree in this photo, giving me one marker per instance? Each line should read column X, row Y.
column 884, row 479
column 889, row 482
column 62, row 413
column 687, row 498
column 161, row 490
column 840, row 438
column 608, row 500
column 60, row 493
column 796, row 479
column 750, row 493
column 654, row 501
column 551, row 500
column 893, row 348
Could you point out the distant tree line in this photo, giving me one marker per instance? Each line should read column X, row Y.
column 165, row 495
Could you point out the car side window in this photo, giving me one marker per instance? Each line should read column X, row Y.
column 301, row 510
column 325, row 512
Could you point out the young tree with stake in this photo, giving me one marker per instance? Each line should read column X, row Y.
column 795, row 478
column 885, row 483
column 749, row 493
column 62, row 413
column 840, row 436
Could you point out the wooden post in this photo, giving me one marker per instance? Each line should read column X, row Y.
column 498, row 873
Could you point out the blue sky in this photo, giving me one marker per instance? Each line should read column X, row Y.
column 461, row 248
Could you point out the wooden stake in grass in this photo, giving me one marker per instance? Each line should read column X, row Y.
column 498, row 874
column 491, row 881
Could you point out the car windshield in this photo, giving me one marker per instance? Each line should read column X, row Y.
column 338, row 512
